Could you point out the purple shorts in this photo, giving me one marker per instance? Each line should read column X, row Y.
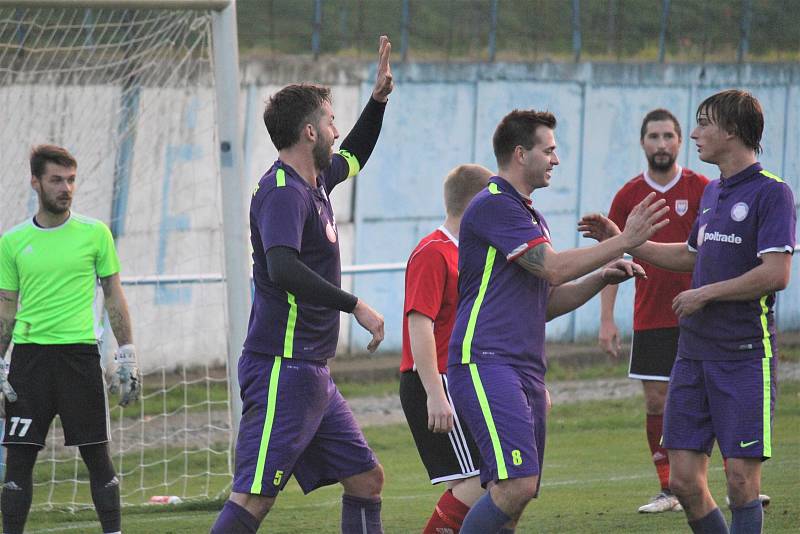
column 505, row 409
column 730, row 401
column 294, row 422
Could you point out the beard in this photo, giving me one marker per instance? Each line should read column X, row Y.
column 322, row 154
column 54, row 204
column 661, row 161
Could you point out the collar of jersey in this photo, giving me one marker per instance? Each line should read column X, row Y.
column 662, row 188
column 293, row 173
column 508, row 188
column 52, row 228
column 740, row 177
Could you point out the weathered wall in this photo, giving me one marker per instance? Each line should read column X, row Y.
column 444, row 115
column 439, row 116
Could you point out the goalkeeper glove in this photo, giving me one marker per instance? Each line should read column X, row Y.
column 7, row 393
column 126, row 379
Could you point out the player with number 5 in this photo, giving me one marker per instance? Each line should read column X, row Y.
column 49, row 268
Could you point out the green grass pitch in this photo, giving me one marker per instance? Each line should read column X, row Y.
column 597, row 472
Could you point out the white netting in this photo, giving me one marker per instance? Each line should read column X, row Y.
column 131, row 94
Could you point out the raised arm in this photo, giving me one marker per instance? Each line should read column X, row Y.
column 362, row 138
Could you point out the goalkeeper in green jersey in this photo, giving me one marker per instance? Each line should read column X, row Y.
column 49, row 267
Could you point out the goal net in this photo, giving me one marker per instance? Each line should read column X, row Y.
column 131, row 93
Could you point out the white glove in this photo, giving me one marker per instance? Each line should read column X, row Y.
column 7, row 393
column 125, row 378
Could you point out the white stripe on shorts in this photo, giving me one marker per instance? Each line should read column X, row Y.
column 457, row 438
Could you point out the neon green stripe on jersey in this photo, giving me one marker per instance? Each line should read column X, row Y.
column 773, row 176
column 765, row 416
column 269, row 418
column 766, row 340
column 280, row 178
column 291, row 321
column 352, row 163
column 466, row 346
column 502, row 472
column 493, row 189
column 55, row 272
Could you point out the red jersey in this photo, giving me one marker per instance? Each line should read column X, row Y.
column 653, row 302
column 432, row 290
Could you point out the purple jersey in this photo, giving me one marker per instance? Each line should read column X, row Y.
column 286, row 211
column 501, row 308
column 740, row 218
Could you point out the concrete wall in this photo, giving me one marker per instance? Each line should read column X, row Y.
column 439, row 116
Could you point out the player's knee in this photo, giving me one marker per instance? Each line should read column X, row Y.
column 741, row 488
column 373, row 481
column 256, row 505
column 683, row 486
column 367, row 485
column 518, row 491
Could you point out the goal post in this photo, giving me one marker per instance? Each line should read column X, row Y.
column 145, row 94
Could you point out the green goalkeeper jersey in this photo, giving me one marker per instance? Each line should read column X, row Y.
column 55, row 272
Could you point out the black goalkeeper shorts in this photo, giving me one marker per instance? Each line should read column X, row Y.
column 63, row 380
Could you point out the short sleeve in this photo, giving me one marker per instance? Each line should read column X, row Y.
column 691, row 242
column 9, row 277
column 777, row 220
column 106, row 262
column 281, row 218
column 619, row 210
column 426, row 276
column 507, row 226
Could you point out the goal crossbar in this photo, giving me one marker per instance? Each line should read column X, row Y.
column 215, row 5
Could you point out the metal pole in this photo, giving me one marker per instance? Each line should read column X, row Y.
column 576, row 29
column 662, row 37
column 404, row 31
column 317, row 28
column 493, row 32
column 744, row 42
column 237, row 271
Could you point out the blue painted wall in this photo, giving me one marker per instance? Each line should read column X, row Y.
column 444, row 115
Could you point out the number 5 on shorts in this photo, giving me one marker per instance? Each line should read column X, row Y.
column 16, row 421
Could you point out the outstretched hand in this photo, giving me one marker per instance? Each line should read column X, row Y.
column 644, row 220
column 384, row 82
column 597, row 226
column 620, row 270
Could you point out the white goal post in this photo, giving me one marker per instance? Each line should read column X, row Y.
column 145, row 94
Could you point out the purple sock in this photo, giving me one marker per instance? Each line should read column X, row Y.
column 233, row 519
column 748, row 518
column 484, row 517
column 713, row 523
column 361, row 516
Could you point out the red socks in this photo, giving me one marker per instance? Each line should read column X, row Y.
column 655, row 425
column 447, row 516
